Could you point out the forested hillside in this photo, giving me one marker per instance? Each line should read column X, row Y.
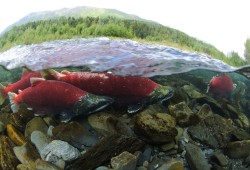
column 64, row 28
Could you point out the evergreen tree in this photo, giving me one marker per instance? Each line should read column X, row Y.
column 247, row 51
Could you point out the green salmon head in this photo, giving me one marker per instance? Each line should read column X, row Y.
column 91, row 103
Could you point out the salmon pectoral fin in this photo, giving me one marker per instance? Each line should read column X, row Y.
column 2, row 96
column 14, row 106
column 135, row 108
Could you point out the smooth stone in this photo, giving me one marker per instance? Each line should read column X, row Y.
column 145, row 155
column 74, row 133
column 36, row 124
column 192, row 92
column 8, row 159
column 220, row 158
column 107, row 124
column 183, row 114
column 26, row 154
column 102, row 168
column 40, row 140
column 44, row 165
column 59, row 149
column 16, row 136
column 168, row 146
column 50, row 121
column 172, row 164
column 24, row 167
column 124, row 161
column 49, row 132
column 238, row 149
column 105, row 149
column 195, row 158
column 155, row 163
column 155, row 128
column 216, row 131
column 180, row 134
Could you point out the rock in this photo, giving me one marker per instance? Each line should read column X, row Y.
column 26, row 154
column 216, row 131
column 238, row 114
column 44, row 165
column 59, row 149
column 21, row 118
column 102, row 168
column 8, row 159
column 205, row 111
column 168, row 146
column 75, row 134
column 172, row 164
column 192, row 92
column 220, row 158
column 155, row 128
column 107, row 124
column 195, row 158
column 124, row 161
column 16, row 136
column 40, row 140
column 155, row 163
column 4, row 120
column 50, row 121
column 24, row 167
column 36, row 124
column 180, row 134
column 105, row 149
column 145, row 155
column 238, row 149
column 183, row 114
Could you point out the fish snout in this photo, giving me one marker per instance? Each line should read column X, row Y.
column 91, row 103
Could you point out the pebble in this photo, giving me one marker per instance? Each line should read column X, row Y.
column 155, row 128
column 220, row 158
column 26, row 154
column 16, row 136
column 195, row 157
column 35, row 124
column 8, row 159
column 44, row 165
column 59, row 149
column 124, row 161
column 238, row 149
column 40, row 140
column 172, row 164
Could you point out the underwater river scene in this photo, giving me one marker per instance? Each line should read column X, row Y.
column 119, row 104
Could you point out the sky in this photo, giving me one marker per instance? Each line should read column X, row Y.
column 221, row 23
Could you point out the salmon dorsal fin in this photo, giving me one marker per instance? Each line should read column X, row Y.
column 25, row 71
column 34, row 81
column 50, row 74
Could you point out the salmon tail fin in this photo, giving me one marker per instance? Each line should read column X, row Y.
column 50, row 74
column 2, row 96
column 14, row 106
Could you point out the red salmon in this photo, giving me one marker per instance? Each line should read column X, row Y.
column 124, row 90
column 221, row 86
column 57, row 96
column 19, row 85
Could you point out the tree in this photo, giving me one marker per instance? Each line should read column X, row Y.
column 235, row 59
column 247, row 50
